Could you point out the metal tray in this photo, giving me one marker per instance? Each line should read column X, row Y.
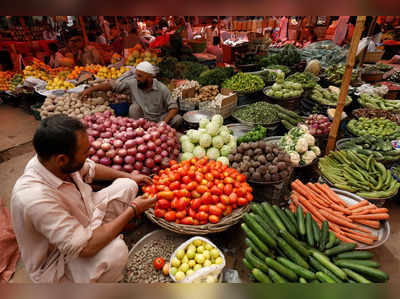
column 239, row 129
column 382, row 233
column 194, row 117
column 272, row 125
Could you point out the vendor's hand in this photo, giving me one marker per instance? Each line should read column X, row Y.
column 141, row 179
column 143, row 203
column 86, row 93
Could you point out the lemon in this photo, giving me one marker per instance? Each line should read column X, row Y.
column 173, row 271
column 197, row 267
column 206, row 254
column 189, row 272
column 200, row 249
column 214, row 253
column 191, row 263
column 175, row 262
column 208, row 246
column 185, row 259
column 180, row 276
column 199, row 258
column 197, row 242
column 207, row 263
column 219, row 260
column 191, row 247
column 184, row 267
column 180, row 254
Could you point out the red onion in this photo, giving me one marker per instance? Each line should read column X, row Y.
column 128, row 168
column 116, row 166
column 142, row 148
column 154, row 135
column 100, row 120
column 139, row 157
column 146, row 137
column 105, row 161
column 150, row 154
column 123, row 128
column 164, row 154
column 149, row 163
column 129, row 160
column 171, row 142
column 91, row 139
column 92, row 151
column 106, row 147
column 176, row 152
column 151, row 146
column 106, row 134
column 164, row 146
column 165, row 163
column 138, row 165
column 100, row 153
column 141, row 122
column 111, row 153
column 139, row 132
column 130, row 144
column 156, row 169
column 122, row 152
column 139, row 140
column 157, row 158
column 118, row 143
column 93, row 133
column 158, row 150
column 130, row 134
column 132, row 151
column 107, row 113
column 158, row 142
column 96, row 144
column 163, row 138
column 118, row 160
column 146, row 171
column 95, row 159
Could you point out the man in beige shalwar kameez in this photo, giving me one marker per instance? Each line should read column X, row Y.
column 65, row 231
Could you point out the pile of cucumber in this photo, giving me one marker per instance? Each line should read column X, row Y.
column 290, row 247
column 358, row 173
column 288, row 118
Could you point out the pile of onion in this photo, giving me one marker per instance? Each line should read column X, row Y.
column 127, row 144
column 318, row 124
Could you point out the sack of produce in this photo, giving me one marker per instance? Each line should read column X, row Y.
column 195, row 261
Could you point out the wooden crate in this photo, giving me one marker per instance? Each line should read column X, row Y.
column 228, row 105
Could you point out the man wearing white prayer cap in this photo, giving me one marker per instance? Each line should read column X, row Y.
column 151, row 99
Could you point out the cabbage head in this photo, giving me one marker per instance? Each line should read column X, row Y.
column 194, row 136
column 186, row 156
column 187, row 147
column 212, row 129
column 213, row 153
column 223, row 160
column 199, row 152
column 217, row 142
column 205, row 140
column 226, row 150
column 218, row 119
column 184, row 138
column 226, row 137
column 203, row 123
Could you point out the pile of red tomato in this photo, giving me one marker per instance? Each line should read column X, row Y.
column 198, row 191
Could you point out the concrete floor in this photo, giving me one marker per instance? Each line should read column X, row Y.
column 14, row 122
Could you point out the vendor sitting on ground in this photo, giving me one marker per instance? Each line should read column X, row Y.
column 151, row 99
column 65, row 231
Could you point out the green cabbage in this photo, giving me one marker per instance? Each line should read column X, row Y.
column 212, row 129
column 223, row 160
column 194, row 136
column 199, row 152
column 187, row 147
column 184, row 138
column 213, row 153
column 186, row 156
column 226, row 150
column 205, row 140
column 203, row 123
column 217, row 142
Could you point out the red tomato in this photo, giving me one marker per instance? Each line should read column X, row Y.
column 216, row 174
column 249, row 197
column 172, row 162
column 162, row 188
column 204, row 182
column 173, row 203
column 219, row 164
column 228, row 210
column 202, row 216
column 181, row 204
column 160, row 213
column 210, row 184
column 192, row 173
column 194, row 160
column 181, row 214
column 241, row 201
column 206, row 198
column 202, row 189
column 203, row 161
column 187, row 220
column 202, row 222
column 178, row 221
column 199, row 177
column 195, row 194
column 233, row 198
column 196, row 203
column 182, row 171
column 192, row 186
column 168, row 195
column 234, row 206
column 183, row 193
column 158, row 263
column 186, row 179
column 224, row 199
column 215, row 199
column 204, row 208
column 174, row 167
column 214, row 210
column 241, row 178
column 228, row 180
column 221, row 206
column 174, row 185
column 170, row 216
column 221, row 186
column 163, row 203
column 224, row 167
column 213, row 218
column 226, row 174
column 209, row 177
column 203, row 170
column 228, row 189
column 192, row 213
column 196, row 222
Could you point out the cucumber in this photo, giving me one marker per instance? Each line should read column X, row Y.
column 255, row 249
column 358, row 255
column 286, row 124
column 368, row 263
column 252, row 236
column 247, row 264
column 324, row 261
column 266, row 226
column 357, row 277
column 295, row 243
column 315, row 281
column 275, row 276
column 337, row 242
column 302, row 280
column 331, row 240
column 322, row 277
column 271, row 213
column 292, row 254
column 309, row 230
column 258, row 210
column 259, row 231
column 282, row 270
column 374, row 274
column 324, row 235
column 255, row 261
column 318, row 267
column 260, row 276
column 340, row 248
column 291, row 217
column 300, row 221
column 288, row 224
column 316, row 232
column 301, row 271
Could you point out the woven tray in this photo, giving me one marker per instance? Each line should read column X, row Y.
column 210, row 228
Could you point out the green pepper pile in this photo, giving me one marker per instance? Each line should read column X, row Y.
column 243, row 82
column 258, row 133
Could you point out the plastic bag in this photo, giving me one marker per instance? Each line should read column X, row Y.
column 201, row 274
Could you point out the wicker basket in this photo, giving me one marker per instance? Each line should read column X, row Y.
column 225, row 223
column 373, row 57
column 373, row 77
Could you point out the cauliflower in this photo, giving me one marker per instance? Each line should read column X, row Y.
column 303, row 127
column 218, row 120
column 224, row 129
column 186, row 156
column 217, row 142
column 294, row 158
column 223, row 160
column 194, row 136
column 316, row 150
column 212, row 129
column 213, row 153
column 301, row 145
column 187, row 147
column 199, row 152
column 205, row 140
column 184, row 138
column 286, row 141
column 203, row 123
column 226, row 150
column 310, row 139
column 225, row 136
column 308, row 157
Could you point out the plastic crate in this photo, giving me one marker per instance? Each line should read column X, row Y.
column 121, row 109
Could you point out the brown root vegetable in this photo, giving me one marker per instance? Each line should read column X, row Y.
column 235, row 165
column 256, row 176
column 231, row 157
column 262, row 169
column 249, row 152
column 262, row 159
column 284, row 174
column 252, row 170
column 281, row 165
column 246, row 158
column 241, row 149
column 275, row 177
column 258, row 151
column 272, row 169
column 270, row 157
column 238, row 157
column 246, row 146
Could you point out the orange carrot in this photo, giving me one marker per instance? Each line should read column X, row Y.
column 370, row 236
column 341, row 222
column 380, row 216
column 362, row 213
column 332, row 195
column 370, row 223
column 359, row 238
column 360, row 204
column 292, row 207
column 344, row 238
column 381, row 210
column 321, row 194
column 369, row 207
column 341, row 209
column 304, row 202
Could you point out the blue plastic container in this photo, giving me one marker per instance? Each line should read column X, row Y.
column 121, row 109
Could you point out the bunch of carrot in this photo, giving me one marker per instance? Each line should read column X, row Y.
column 324, row 204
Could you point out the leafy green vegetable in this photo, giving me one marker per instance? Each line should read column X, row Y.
column 215, row 76
column 189, row 70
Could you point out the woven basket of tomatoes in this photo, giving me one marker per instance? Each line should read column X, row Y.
column 198, row 197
